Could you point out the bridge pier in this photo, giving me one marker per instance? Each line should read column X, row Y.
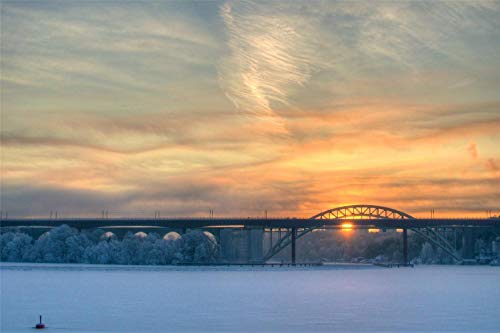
column 468, row 243
column 255, row 244
column 294, row 240
column 405, row 247
column 271, row 238
column 242, row 245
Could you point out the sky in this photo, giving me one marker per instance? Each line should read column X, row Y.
column 242, row 107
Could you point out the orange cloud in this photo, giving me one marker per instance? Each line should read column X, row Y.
column 492, row 165
column 472, row 149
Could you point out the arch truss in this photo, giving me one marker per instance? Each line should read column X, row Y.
column 359, row 212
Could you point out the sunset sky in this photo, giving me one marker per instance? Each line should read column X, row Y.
column 242, row 107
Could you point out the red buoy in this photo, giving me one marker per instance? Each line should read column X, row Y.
column 40, row 325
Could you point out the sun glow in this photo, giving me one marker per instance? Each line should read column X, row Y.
column 346, row 226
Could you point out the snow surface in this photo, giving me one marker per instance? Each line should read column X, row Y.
column 99, row 298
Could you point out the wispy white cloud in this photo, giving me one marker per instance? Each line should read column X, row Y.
column 270, row 55
column 277, row 50
column 409, row 33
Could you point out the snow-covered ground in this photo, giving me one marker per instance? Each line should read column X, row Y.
column 81, row 298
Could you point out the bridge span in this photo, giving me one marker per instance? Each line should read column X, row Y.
column 275, row 223
column 289, row 229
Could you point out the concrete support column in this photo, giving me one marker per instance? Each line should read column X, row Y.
column 405, row 246
column 226, row 244
column 271, row 238
column 244, row 245
column 256, row 244
column 468, row 243
column 294, row 239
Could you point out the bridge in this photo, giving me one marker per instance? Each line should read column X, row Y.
column 289, row 230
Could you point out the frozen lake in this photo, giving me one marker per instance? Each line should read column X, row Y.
column 83, row 298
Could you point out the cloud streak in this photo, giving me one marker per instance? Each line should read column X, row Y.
column 269, row 57
column 293, row 107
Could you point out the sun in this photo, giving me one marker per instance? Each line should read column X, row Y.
column 346, row 227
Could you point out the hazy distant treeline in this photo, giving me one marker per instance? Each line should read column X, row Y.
column 67, row 245
column 387, row 246
column 339, row 246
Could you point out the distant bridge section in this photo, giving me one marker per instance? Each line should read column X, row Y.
column 249, row 232
column 195, row 223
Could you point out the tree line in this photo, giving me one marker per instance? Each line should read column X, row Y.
column 64, row 244
column 68, row 245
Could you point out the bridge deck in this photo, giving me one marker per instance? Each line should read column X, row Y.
column 383, row 223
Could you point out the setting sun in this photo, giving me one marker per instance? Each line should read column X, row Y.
column 347, row 226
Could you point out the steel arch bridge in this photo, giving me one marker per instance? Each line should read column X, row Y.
column 362, row 212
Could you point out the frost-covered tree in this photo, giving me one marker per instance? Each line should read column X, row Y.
column 427, row 254
column 5, row 238
column 167, row 249
column 161, row 251
column 441, row 257
column 197, row 246
column 52, row 246
column 104, row 252
column 15, row 246
column 129, row 250
column 67, row 245
column 75, row 247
